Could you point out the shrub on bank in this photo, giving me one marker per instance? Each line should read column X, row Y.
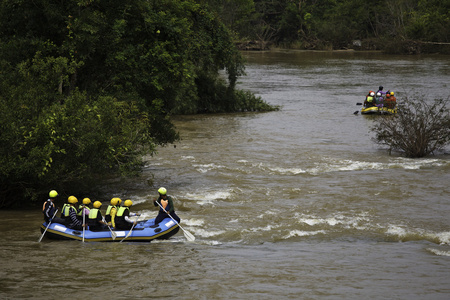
column 418, row 129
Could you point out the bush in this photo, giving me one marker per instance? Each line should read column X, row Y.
column 420, row 127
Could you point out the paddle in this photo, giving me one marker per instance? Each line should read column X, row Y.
column 129, row 232
column 113, row 234
column 47, row 226
column 356, row 112
column 84, row 222
column 187, row 234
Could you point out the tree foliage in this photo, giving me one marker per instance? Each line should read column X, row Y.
column 88, row 86
column 419, row 128
column 336, row 23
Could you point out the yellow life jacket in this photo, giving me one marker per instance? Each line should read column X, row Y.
column 65, row 210
column 121, row 211
column 80, row 212
column 108, row 209
column 93, row 213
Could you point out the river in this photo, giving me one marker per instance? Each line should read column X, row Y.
column 294, row 204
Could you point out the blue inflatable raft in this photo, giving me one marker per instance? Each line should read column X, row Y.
column 144, row 231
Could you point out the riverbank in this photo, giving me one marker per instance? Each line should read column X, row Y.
column 390, row 46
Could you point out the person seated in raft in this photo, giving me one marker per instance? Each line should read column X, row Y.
column 84, row 208
column 379, row 100
column 370, row 99
column 111, row 211
column 49, row 208
column 393, row 100
column 95, row 219
column 72, row 221
column 123, row 221
column 166, row 202
column 66, row 206
column 388, row 101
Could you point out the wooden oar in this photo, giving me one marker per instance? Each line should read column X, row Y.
column 47, row 226
column 187, row 234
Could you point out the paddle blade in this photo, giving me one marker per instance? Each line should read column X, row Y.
column 113, row 235
column 189, row 236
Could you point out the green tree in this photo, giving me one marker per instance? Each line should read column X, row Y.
column 429, row 21
column 88, row 86
column 321, row 23
column 234, row 14
column 63, row 142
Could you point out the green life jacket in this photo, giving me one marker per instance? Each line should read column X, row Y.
column 121, row 211
column 108, row 210
column 93, row 213
column 65, row 210
column 80, row 210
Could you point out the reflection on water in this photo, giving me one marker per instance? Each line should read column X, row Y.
column 287, row 204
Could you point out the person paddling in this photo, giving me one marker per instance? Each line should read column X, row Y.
column 95, row 219
column 49, row 207
column 166, row 206
column 123, row 221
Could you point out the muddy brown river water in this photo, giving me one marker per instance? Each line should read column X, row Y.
column 294, row 204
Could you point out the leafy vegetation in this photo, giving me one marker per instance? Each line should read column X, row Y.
column 419, row 128
column 88, row 86
column 326, row 24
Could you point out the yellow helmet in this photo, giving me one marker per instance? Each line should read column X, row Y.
column 114, row 201
column 86, row 201
column 392, row 93
column 53, row 194
column 162, row 191
column 97, row 204
column 72, row 200
column 128, row 203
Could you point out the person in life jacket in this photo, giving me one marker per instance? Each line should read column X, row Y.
column 71, row 220
column 95, row 220
column 66, row 206
column 370, row 99
column 379, row 100
column 167, row 208
column 84, row 209
column 122, row 220
column 49, row 207
column 387, row 100
column 111, row 211
column 393, row 100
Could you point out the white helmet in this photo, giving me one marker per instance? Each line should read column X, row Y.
column 372, row 94
column 378, row 94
